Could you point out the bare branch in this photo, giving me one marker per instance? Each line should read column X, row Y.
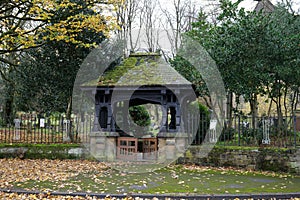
column 179, row 19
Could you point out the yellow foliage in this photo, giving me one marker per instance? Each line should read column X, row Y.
column 32, row 26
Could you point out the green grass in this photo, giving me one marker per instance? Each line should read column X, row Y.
column 174, row 179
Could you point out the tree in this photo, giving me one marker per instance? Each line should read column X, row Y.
column 48, row 73
column 127, row 16
column 179, row 19
column 204, row 33
column 28, row 25
column 150, row 20
column 256, row 54
column 239, row 56
column 141, row 18
column 46, row 81
column 282, row 58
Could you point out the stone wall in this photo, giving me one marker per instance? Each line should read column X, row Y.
column 43, row 151
column 268, row 159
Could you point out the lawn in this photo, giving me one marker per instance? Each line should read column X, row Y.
column 96, row 177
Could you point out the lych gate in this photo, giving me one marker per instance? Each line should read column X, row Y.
column 140, row 79
column 109, row 111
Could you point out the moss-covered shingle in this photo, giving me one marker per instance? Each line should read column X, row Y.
column 140, row 70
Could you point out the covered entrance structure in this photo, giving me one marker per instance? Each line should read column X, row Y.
column 140, row 79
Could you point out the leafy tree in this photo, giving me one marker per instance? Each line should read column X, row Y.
column 202, row 32
column 24, row 23
column 241, row 60
column 191, row 74
column 281, row 59
column 48, row 73
column 256, row 53
column 28, row 25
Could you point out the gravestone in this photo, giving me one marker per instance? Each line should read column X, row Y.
column 17, row 128
column 213, row 131
column 42, row 123
column 67, row 127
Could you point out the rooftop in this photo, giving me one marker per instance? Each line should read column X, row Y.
column 265, row 6
column 140, row 69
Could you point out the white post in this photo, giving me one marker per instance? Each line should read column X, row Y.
column 67, row 126
column 17, row 128
column 266, row 131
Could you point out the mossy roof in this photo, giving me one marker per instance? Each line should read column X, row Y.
column 138, row 70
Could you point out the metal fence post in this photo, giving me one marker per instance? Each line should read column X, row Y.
column 239, row 130
column 295, row 132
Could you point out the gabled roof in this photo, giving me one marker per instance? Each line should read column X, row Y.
column 140, row 69
column 265, row 6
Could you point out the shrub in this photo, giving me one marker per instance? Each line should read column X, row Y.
column 227, row 134
column 197, row 108
column 251, row 136
column 140, row 115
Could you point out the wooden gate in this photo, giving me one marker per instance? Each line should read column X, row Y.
column 127, row 148
column 150, row 148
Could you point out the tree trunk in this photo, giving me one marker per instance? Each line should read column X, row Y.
column 8, row 111
column 68, row 116
column 69, row 108
column 254, row 111
column 9, row 101
column 280, row 117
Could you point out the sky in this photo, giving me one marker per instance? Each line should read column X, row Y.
column 167, row 4
column 248, row 4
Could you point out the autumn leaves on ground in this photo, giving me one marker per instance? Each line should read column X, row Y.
column 14, row 172
column 95, row 177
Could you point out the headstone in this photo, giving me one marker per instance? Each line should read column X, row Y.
column 266, row 123
column 67, row 127
column 17, row 128
column 213, row 130
column 42, row 123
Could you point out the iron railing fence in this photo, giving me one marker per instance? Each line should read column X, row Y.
column 242, row 131
column 30, row 128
